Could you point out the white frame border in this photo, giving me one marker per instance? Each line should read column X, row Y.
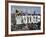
column 23, row 32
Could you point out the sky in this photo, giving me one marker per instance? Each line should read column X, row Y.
column 27, row 9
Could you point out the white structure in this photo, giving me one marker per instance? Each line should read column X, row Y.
column 27, row 19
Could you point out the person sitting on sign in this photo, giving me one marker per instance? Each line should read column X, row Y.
column 18, row 17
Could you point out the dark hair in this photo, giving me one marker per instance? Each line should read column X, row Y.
column 17, row 11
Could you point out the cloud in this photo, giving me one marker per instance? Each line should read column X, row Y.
column 27, row 9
